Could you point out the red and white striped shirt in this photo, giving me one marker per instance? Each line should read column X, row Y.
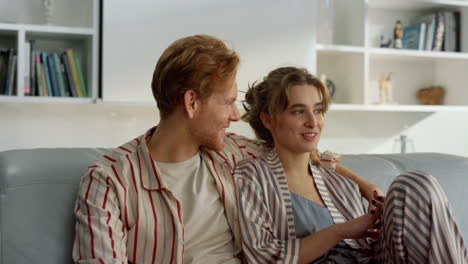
column 126, row 214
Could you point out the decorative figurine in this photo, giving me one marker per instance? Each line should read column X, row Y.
column 328, row 83
column 433, row 95
column 385, row 89
column 398, row 35
column 48, row 9
column 384, row 44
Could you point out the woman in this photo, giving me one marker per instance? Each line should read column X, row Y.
column 296, row 212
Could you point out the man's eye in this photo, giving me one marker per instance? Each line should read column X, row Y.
column 297, row 112
column 318, row 111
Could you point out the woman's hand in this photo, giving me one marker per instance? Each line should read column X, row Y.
column 371, row 192
column 361, row 227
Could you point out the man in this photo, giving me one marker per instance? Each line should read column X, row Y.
column 168, row 196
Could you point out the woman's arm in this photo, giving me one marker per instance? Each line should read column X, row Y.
column 318, row 244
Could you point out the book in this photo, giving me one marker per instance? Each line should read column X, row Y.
column 68, row 75
column 450, row 32
column 39, row 75
column 74, row 74
column 33, row 85
column 430, row 21
column 27, row 68
column 414, row 36
column 59, row 74
column 11, row 75
column 458, row 31
column 439, row 32
column 45, row 70
column 53, row 75
column 3, row 70
column 80, row 76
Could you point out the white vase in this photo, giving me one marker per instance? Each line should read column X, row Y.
column 48, row 10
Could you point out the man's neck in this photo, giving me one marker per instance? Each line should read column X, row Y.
column 171, row 143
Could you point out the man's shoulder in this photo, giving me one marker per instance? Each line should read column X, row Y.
column 241, row 146
column 119, row 155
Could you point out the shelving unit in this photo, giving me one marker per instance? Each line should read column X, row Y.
column 348, row 52
column 75, row 26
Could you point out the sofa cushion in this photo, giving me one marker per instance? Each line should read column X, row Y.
column 450, row 171
column 37, row 194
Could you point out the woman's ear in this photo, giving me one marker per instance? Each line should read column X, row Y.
column 266, row 120
column 191, row 102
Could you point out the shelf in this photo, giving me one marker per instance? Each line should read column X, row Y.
column 416, row 4
column 389, row 53
column 324, row 48
column 398, row 108
column 45, row 99
column 48, row 29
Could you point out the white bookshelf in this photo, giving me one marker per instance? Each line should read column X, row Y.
column 75, row 25
column 348, row 52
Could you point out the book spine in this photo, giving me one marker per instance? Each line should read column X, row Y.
column 457, row 20
column 71, row 62
column 11, row 72
column 422, row 36
column 39, row 75
column 80, row 76
column 45, row 69
column 3, row 70
column 59, row 74
column 68, row 75
column 33, row 85
column 27, row 68
column 53, row 75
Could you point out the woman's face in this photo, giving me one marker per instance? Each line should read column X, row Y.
column 298, row 128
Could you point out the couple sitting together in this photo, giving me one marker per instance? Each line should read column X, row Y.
column 187, row 191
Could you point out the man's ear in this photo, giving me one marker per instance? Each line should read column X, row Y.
column 191, row 102
column 266, row 120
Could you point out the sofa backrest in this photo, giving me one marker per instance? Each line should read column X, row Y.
column 38, row 189
column 450, row 171
column 37, row 193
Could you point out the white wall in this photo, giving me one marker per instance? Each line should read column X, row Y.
column 266, row 34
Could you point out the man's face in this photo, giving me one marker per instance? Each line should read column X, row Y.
column 215, row 115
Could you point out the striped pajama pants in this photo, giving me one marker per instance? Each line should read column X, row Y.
column 418, row 225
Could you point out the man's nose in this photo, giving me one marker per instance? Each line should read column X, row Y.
column 235, row 115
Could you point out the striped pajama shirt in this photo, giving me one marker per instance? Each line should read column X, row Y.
column 418, row 226
column 126, row 214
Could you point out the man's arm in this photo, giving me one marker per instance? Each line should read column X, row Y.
column 331, row 160
column 252, row 148
column 367, row 189
column 99, row 233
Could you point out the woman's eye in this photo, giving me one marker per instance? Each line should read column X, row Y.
column 318, row 111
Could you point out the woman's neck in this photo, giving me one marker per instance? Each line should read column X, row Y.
column 295, row 164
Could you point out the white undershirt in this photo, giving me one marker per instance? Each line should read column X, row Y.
column 208, row 238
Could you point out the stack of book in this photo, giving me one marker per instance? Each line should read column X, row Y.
column 53, row 74
column 8, row 60
column 438, row 31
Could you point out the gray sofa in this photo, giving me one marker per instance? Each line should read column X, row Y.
column 38, row 188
